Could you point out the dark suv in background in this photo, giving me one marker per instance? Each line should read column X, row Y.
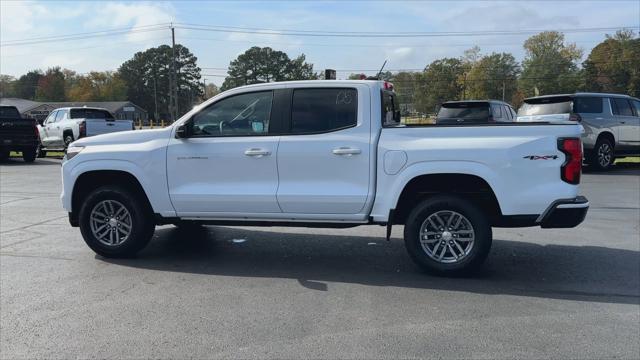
column 467, row 112
column 611, row 122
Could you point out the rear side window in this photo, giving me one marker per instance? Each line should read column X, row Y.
column 587, row 105
column 507, row 113
column 621, row 107
column 546, row 106
column 7, row 112
column 477, row 110
column 390, row 110
column 496, row 111
column 90, row 114
column 323, row 110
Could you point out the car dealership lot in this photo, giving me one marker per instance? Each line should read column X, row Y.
column 291, row 292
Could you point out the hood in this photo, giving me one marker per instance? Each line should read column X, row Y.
column 124, row 137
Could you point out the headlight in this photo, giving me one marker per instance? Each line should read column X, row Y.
column 73, row 151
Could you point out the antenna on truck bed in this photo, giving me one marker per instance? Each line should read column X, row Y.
column 377, row 77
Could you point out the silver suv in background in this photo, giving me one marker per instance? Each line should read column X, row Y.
column 611, row 122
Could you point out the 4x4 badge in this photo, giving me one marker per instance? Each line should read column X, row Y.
column 543, row 157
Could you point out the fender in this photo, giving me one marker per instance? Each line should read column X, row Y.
column 159, row 200
column 390, row 188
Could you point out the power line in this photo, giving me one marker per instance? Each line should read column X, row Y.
column 363, row 34
column 86, row 35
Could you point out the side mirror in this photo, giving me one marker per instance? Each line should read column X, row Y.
column 185, row 130
column 182, row 132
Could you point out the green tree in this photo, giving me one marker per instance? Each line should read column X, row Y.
column 26, row 85
column 439, row 83
column 7, row 88
column 550, row 65
column 493, row 77
column 51, row 86
column 614, row 65
column 259, row 65
column 97, row 86
column 147, row 75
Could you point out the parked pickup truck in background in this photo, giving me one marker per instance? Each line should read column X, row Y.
column 611, row 122
column 326, row 154
column 65, row 125
column 17, row 134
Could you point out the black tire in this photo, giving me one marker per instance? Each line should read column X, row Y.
column 68, row 139
column 477, row 251
column 602, row 156
column 41, row 153
column 29, row 156
column 142, row 222
column 4, row 155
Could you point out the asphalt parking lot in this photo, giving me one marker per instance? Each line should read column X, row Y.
column 295, row 292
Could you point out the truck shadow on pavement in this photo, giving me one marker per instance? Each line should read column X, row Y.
column 579, row 273
column 626, row 168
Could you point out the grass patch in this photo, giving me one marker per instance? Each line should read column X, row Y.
column 54, row 154
column 631, row 159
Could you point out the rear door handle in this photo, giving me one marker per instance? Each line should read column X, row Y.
column 348, row 151
column 257, row 152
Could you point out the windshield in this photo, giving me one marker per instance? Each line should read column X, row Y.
column 546, row 106
column 464, row 110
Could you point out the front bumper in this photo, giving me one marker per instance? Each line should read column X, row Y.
column 565, row 213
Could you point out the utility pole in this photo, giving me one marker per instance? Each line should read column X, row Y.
column 174, row 88
column 205, row 88
column 155, row 97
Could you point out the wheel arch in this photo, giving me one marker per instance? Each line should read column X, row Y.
column 609, row 136
column 89, row 180
column 469, row 186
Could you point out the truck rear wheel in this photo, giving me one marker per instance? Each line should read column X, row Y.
column 115, row 222
column 448, row 235
column 29, row 156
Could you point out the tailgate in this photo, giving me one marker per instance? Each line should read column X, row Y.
column 102, row 126
column 17, row 131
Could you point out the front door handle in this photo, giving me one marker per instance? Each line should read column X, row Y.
column 348, row 151
column 257, row 152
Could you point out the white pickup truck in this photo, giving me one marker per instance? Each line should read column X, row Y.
column 326, row 154
column 64, row 125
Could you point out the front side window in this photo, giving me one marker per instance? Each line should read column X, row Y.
column 636, row 103
column 323, row 110
column 59, row 115
column 51, row 118
column 239, row 115
column 621, row 107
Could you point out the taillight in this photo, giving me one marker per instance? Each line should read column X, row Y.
column 571, row 169
column 83, row 129
column 35, row 127
column 575, row 117
column 388, row 85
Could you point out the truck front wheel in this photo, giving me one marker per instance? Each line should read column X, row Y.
column 115, row 222
column 448, row 235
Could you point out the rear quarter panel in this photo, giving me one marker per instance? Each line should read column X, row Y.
column 497, row 154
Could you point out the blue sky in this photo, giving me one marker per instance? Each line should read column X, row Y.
column 30, row 19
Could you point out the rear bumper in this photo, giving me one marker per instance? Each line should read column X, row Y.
column 565, row 213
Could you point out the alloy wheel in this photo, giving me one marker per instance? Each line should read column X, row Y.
column 447, row 236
